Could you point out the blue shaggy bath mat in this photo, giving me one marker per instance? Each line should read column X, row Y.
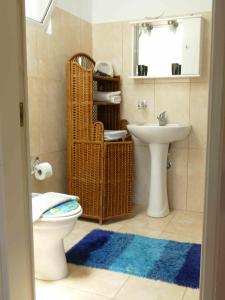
column 169, row 261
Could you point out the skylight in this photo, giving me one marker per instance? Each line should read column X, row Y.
column 39, row 11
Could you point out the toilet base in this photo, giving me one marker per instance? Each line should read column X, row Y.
column 50, row 260
column 49, row 253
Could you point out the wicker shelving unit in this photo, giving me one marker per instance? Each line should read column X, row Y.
column 99, row 172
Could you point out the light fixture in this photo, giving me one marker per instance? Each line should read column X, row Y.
column 145, row 28
column 148, row 27
column 174, row 23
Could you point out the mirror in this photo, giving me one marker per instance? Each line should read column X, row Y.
column 167, row 47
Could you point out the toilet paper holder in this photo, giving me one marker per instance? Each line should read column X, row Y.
column 41, row 170
column 34, row 163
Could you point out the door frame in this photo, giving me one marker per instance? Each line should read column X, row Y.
column 213, row 258
column 14, row 165
column 16, row 241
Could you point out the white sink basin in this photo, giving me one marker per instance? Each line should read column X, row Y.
column 153, row 133
column 158, row 139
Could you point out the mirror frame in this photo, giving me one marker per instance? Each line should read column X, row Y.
column 156, row 22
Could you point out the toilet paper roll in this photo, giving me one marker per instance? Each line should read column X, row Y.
column 43, row 171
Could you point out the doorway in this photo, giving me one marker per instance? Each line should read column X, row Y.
column 204, row 298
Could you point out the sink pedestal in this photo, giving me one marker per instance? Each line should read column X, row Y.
column 158, row 139
column 158, row 201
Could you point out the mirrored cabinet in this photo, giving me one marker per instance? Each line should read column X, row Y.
column 169, row 47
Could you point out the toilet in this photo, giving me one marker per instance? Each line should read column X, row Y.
column 49, row 232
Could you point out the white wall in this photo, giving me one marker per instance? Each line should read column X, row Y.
column 79, row 8
column 117, row 10
column 100, row 11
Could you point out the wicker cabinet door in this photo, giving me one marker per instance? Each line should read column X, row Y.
column 87, row 177
column 118, row 183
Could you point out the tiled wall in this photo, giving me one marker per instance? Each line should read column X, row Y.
column 185, row 100
column 47, row 57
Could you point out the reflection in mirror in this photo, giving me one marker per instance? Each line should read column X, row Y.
column 168, row 47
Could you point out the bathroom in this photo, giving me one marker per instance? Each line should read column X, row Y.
column 93, row 27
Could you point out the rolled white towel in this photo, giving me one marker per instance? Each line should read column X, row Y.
column 44, row 202
column 113, row 135
column 105, row 96
column 115, row 99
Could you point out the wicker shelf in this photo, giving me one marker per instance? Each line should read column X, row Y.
column 99, row 172
column 101, row 78
column 104, row 103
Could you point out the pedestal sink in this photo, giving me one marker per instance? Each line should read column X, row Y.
column 158, row 138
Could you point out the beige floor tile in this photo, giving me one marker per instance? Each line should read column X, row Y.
column 115, row 225
column 143, row 217
column 144, row 225
column 108, row 225
column 179, row 225
column 183, row 216
column 185, row 223
column 88, row 283
column 59, row 292
column 180, row 237
column 191, row 294
column 140, row 231
column 97, row 281
column 145, row 289
column 83, row 227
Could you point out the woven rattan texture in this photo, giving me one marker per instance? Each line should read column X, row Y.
column 100, row 173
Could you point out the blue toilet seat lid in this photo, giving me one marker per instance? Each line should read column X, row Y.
column 65, row 209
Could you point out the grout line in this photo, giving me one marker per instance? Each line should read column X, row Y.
column 84, row 291
column 164, row 229
column 121, row 287
column 187, row 180
column 188, row 148
column 184, row 294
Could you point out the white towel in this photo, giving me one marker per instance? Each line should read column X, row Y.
column 112, row 97
column 115, row 99
column 44, row 202
column 113, row 135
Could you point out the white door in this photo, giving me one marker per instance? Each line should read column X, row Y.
column 16, row 255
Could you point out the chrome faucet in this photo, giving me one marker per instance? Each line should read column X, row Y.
column 162, row 119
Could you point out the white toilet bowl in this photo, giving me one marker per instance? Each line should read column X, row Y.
column 49, row 254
